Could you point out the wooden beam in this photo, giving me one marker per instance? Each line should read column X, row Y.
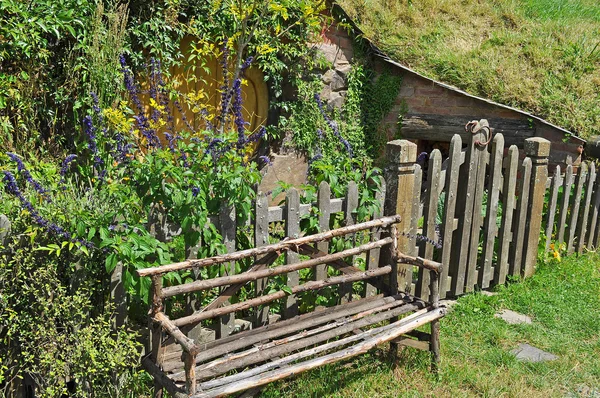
column 432, row 127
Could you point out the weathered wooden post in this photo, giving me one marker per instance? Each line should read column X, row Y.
column 401, row 156
column 538, row 150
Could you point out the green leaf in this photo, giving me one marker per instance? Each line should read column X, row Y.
column 111, row 262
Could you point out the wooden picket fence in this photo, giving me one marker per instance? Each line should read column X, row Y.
column 486, row 205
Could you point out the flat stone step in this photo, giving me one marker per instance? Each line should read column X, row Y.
column 512, row 317
column 529, row 353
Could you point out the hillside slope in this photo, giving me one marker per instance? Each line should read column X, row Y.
column 542, row 56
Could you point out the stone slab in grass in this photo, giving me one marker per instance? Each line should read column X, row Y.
column 528, row 353
column 513, row 318
column 490, row 294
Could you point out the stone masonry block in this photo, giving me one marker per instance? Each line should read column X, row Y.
column 537, row 147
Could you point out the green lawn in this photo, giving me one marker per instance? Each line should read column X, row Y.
column 542, row 56
column 563, row 300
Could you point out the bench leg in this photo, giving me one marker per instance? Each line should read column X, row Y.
column 189, row 361
column 155, row 345
column 434, row 346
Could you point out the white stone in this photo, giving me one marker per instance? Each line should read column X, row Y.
column 513, row 318
column 528, row 353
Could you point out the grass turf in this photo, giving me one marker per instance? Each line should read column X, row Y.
column 563, row 300
column 542, row 56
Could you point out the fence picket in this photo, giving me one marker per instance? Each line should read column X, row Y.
column 481, row 158
column 564, row 204
column 583, row 218
column 491, row 226
column 447, row 227
column 464, row 213
column 508, row 210
column 518, row 240
column 374, row 254
column 227, row 228
column 292, row 230
column 345, row 289
column 261, row 238
column 580, row 181
column 556, row 183
column 594, row 216
column 429, row 221
column 413, row 249
column 324, row 206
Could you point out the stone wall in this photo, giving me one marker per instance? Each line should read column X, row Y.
column 337, row 49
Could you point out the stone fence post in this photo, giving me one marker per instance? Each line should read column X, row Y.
column 401, row 158
column 538, row 150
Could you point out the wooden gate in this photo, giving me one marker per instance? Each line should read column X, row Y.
column 479, row 211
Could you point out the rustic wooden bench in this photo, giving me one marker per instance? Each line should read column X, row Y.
column 261, row 355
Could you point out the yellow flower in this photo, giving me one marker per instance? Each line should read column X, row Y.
column 557, row 255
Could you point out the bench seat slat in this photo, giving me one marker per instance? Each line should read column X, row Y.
column 370, row 339
column 205, row 372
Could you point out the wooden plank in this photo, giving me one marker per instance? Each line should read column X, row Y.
column 490, row 225
column 277, row 213
column 292, row 230
column 227, row 226
column 261, row 238
column 447, row 227
column 580, row 182
column 583, row 218
column 594, row 217
column 401, row 156
column 429, row 220
column 233, row 343
column 298, row 335
column 433, row 127
column 323, row 204
column 277, row 363
column 464, row 214
column 345, row 289
column 374, row 254
column 538, row 150
column 554, row 186
column 387, row 333
column 481, row 159
column 564, row 204
column 414, row 220
column 274, row 352
column 520, row 217
column 508, row 207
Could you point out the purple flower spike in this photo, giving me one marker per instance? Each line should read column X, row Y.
column 333, row 126
column 12, row 188
column 65, row 164
column 28, row 177
column 266, row 160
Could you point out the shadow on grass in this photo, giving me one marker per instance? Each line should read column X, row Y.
column 330, row 380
